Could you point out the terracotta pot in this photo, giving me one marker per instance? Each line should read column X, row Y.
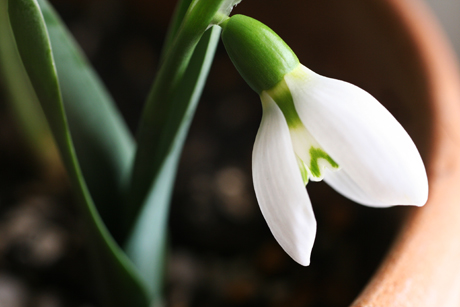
column 422, row 268
column 395, row 50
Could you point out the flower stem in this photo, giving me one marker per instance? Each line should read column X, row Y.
column 160, row 121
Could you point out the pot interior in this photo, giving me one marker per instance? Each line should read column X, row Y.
column 360, row 41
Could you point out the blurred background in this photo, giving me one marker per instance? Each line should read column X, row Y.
column 446, row 12
column 222, row 252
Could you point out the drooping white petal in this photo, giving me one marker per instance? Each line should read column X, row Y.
column 345, row 185
column 362, row 137
column 279, row 187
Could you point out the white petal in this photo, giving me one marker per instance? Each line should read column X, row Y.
column 362, row 137
column 279, row 187
column 345, row 185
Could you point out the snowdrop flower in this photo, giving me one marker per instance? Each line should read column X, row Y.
column 316, row 128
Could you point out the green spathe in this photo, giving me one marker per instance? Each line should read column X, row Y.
column 259, row 54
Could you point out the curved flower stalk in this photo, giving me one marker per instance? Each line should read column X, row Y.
column 316, row 128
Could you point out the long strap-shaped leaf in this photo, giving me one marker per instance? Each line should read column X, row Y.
column 117, row 279
column 146, row 245
column 158, row 125
column 102, row 141
column 24, row 103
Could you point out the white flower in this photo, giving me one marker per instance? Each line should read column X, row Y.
column 314, row 127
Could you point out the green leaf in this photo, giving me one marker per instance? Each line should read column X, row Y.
column 24, row 103
column 145, row 246
column 103, row 143
column 117, row 281
column 178, row 16
column 162, row 130
column 158, row 126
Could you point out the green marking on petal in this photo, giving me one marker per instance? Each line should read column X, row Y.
column 318, row 153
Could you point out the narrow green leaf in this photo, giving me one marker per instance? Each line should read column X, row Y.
column 178, row 16
column 103, row 143
column 158, row 126
column 21, row 95
column 145, row 246
column 116, row 278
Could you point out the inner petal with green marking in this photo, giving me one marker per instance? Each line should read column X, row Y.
column 311, row 157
